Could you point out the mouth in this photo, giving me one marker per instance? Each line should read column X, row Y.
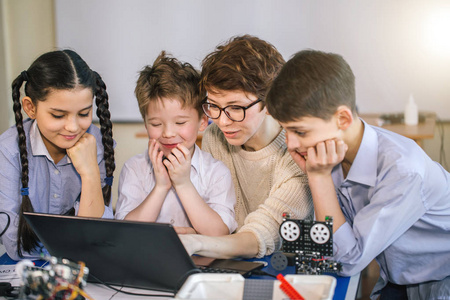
column 69, row 137
column 230, row 134
column 303, row 154
column 169, row 146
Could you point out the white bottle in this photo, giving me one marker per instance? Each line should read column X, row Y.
column 411, row 112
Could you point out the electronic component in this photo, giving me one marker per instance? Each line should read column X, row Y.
column 61, row 279
column 310, row 242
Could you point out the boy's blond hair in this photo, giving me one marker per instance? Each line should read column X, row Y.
column 168, row 78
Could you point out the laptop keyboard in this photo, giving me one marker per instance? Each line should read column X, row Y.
column 205, row 269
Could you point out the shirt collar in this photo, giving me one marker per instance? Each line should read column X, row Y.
column 195, row 158
column 364, row 167
column 38, row 147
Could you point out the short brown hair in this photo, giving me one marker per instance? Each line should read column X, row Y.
column 168, row 78
column 312, row 83
column 244, row 63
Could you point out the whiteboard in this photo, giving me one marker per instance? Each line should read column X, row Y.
column 385, row 42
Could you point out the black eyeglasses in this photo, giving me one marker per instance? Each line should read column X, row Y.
column 235, row 113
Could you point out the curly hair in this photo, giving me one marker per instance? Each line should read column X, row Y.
column 168, row 78
column 244, row 63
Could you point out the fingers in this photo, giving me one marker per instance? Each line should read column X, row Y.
column 154, row 152
column 179, row 156
column 326, row 153
column 341, row 149
column 298, row 159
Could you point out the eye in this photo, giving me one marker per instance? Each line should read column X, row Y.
column 57, row 116
column 300, row 133
column 181, row 123
column 155, row 124
column 84, row 115
column 234, row 108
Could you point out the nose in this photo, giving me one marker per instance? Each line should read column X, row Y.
column 224, row 120
column 71, row 124
column 168, row 131
column 291, row 141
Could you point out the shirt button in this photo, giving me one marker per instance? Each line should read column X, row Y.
column 56, row 172
column 172, row 221
column 55, row 196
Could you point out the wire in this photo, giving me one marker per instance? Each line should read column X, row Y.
column 7, row 223
column 130, row 293
column 319, row 259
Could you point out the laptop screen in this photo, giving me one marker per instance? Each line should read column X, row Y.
column 134, row 254
column 126, row 253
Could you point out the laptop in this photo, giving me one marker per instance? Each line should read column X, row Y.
column 126, row 253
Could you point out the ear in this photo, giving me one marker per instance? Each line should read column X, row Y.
column 29, row 107
column 203, row 122
column 344, row 117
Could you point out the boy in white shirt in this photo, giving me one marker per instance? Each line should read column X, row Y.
column 174, row 181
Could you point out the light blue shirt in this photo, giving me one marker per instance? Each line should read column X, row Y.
column 53, row 188
column 210, row 177
column 396, row 201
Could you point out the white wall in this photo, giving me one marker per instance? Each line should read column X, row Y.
column 4, row 103
column 27, row 30
column 394, row 47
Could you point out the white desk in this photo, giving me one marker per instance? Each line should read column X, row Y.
column 101, row 292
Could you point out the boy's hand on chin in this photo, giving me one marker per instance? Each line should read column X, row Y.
column 162, row 178
column 179, row 166
column 325, row 156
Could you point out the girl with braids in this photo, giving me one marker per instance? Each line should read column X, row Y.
column 56, row 161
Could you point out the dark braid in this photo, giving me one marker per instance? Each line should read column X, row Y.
column 26, row 238
column 101, row 100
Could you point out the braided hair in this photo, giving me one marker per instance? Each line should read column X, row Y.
column 61, row 70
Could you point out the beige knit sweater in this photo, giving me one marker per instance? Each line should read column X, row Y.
column 267, row 183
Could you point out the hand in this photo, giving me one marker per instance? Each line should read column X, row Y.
column 156, row 157
column 322, row 158
column 297, row 157
column 190, row 243
column 84, row 155
column 179, row 166
column 185, row 230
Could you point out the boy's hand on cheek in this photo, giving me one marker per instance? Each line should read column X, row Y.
column 298, row 159
column 156, row 157
column 84, row 154
column 325, row 156
column 179, row 166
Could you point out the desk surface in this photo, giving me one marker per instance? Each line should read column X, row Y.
column 423, row 130
column 346, row 287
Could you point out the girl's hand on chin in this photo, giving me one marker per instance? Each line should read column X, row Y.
column 84, row 154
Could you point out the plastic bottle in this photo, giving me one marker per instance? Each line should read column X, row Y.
column 411, row 112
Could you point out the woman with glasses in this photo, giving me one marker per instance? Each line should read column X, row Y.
column 236, row 78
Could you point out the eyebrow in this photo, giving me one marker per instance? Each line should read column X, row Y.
column 64, row 111
column 176, row 117
column 295, row 128
column 233, row 102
